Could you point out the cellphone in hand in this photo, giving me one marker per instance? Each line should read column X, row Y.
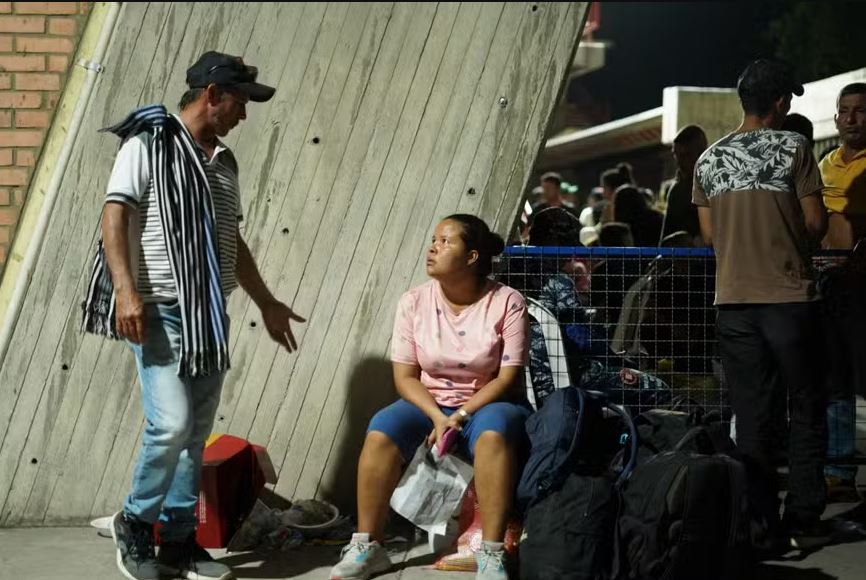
column 449, row 438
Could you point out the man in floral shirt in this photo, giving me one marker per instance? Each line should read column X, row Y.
column 758, row 192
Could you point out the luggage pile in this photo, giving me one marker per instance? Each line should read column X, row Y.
column 608, row 497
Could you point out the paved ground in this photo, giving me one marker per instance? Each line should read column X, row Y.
column 80, row 554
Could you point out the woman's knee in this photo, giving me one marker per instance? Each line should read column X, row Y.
column 491, row 443
column 380, row 449
column 379, row 441
column 403, row 425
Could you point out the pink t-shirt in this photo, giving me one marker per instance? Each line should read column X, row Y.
column 459, row 353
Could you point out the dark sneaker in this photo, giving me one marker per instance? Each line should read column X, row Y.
column 189, row 560
column 807, row 537
column 136, row 558
column 771, row 547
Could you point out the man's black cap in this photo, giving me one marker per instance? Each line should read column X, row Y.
column 769, row 76
column 227, row 71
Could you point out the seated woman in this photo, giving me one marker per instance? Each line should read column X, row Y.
column 458, row 350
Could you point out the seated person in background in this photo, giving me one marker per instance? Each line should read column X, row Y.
column 557, row 286
column 458, row 350
column 630, row 207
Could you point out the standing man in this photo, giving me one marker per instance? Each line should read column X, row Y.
column 844, row 173
column 170, row 255
column 553, row 223
column 551, row 193
column 680, row 214
column 845, row 196
column 758, row 192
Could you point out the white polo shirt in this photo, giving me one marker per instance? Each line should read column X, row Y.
column 131, row 183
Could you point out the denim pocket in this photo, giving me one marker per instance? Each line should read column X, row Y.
column 161, row 335
column 167, row 308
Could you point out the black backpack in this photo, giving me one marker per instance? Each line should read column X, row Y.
column 661, row 430
column 569, row 527
column 684, row 513
column 555, row 432
column 570, row 533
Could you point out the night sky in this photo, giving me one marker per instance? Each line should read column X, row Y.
column 659, row 44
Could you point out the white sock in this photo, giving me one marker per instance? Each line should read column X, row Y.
column 363, row 538
column 492, row 546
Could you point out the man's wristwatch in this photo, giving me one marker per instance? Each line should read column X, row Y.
column 462, row 412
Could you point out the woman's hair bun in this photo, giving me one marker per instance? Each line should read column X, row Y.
column 495, row 243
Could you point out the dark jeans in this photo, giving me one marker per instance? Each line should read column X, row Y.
column 844, row 318
column 776, row 347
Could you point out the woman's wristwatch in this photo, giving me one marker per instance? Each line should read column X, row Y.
column 463, row 414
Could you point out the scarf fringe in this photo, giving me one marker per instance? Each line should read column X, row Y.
column 99, row 320
column 203, row 363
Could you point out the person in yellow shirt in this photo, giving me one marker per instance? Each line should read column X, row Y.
column 844, row 172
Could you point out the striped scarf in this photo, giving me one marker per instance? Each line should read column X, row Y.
column 188, row 224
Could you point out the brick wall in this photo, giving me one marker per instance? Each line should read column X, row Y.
column 37, row 45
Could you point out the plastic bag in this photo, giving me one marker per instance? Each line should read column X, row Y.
column 261, row 522
column 431, row 491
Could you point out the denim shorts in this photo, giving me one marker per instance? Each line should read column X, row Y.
column 407, row 426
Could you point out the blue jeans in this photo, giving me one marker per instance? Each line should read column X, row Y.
column 840, row 441
column 179, row 413
column 843, row 316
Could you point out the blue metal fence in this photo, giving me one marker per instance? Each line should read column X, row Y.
column 638, row 322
